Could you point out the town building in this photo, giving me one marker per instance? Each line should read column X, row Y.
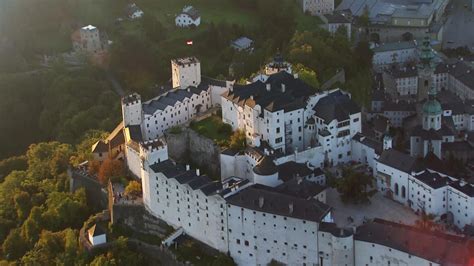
column 97, row 235
column 189, row 95
column 112, row 147
column 242, row 44
column 188, row 17
column 394, row 53
column 89, row 40
column 315, row 7
column 391, row 20
column 334, row 21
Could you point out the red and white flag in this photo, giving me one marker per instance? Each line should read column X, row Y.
column 190, row 42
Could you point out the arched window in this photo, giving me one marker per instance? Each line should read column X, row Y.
column 396, row 189
column 403, row 192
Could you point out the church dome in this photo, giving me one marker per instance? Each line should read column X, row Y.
column 432, row 107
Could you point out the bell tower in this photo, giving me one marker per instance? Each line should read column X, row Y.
column 425, row 69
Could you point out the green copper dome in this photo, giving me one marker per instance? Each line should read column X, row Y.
column 432, row 107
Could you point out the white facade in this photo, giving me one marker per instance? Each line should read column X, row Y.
column 390, row 53
column 300, row 128
column 315, row 7
column 89, row 40
column 368, row 253
column 185, row 72
column 98, row 240
column 428, row 191
column 190, row 96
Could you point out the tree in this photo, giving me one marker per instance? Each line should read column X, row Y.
column 238, row 140
column 355, row 187
column 307, row 75
column 22, row 204
column 14, row 245
column 111, row 169
column 133, row 189
column 153, row 28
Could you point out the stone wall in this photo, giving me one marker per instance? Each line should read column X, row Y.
column 340, row 77
column 188, row 147
column 96, row 195
column 139, row 219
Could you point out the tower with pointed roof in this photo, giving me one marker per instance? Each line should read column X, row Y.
column 425, row 69
column 432, row 112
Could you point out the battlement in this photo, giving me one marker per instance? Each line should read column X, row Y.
column 131, row 99
column 185, row 61
column 153, row 145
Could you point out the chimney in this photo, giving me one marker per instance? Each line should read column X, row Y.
column 188, row 167
column 261, row 201
column 296, row 75
column 283, row 88
column 290, row 208
column 269, row 86
column 265, row 151
column 198, row 173
column 251, row 97
column 189, row 89
column 341, row 232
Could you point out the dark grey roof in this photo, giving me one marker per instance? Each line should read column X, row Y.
column 230, row 152
column 170, row 98
column 399, row 106
column 279, row 204
column 434, row 180
column 398, row 160
column 135, row 133
column 464, row 187
column 265, row 167
column 324, row 132
column 336, row 18
column 192, row 12
column 318, row 172
column 294, row 96
column 171, row 170
column 433, row 246
column 336, row 105
column 403, row 72
column 301, row 188
column 334, row 230
column 456, row 146
column 289, row 170
column 97, row 230
column 431, row 134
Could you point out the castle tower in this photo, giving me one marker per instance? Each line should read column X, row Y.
column 185, row 72
column 132, row 110
column 425, row 69
column 432, row 112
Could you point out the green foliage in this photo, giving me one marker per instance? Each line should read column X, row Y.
column 133, row 189
column 175, row 130
column 355, row 187
column 189, row 250
column 213, row 128
column 53, row 106
column 238, row 140
column 83, row 149
column 8, row 165
column 14, row 245
column 119, row 254
column 326, row 54
column 307, row 75
column 37, row 212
